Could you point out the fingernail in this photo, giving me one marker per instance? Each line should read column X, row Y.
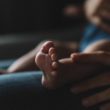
column 53, row 57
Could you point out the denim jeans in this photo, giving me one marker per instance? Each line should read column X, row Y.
column 92, row 34
column 23, row 91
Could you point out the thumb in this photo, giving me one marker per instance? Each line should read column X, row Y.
column 99, row 57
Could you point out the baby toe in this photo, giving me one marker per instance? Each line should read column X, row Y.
column 46, row 46
column 54, row 65
column 53, row 57
column 51, row 51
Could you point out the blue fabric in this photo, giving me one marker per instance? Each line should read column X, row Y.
column 4, row 64
column 23, row 91
column 93, row 34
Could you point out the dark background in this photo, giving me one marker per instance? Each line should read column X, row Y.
column 33, row 15
column 24, row 23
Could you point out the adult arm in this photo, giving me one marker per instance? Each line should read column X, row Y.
column 98, row 12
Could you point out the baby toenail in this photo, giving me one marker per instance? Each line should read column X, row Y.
column 53, row 57
column 55, row 65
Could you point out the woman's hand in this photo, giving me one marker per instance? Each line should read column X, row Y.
column 98, row 98
column 101, row 80
column 97, row 82
column 98, row 12
column 98, row 57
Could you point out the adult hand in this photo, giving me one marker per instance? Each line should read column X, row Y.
column 102, row 80
column 98, row 57
column 97, row 82
column 98, row 12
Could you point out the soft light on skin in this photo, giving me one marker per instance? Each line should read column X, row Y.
column 91, row 10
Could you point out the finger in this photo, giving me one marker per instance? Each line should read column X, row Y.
column 99, row 57
column 96, row 99
column 75, row 56
column 99, row 81
column 105, row 107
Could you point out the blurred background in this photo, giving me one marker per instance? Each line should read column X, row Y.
column 24, row 23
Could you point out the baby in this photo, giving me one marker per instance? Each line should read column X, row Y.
column 59, row 71
column 59, row 62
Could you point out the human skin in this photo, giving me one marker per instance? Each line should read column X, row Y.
column 58, row 72
column 27, row 61
column 98, row 12
column 106, row 28
column 101, row 80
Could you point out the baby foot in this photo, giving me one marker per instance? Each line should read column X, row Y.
column 46, row 60
column 57, row 72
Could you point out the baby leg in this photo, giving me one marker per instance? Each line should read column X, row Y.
column 27, row 61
